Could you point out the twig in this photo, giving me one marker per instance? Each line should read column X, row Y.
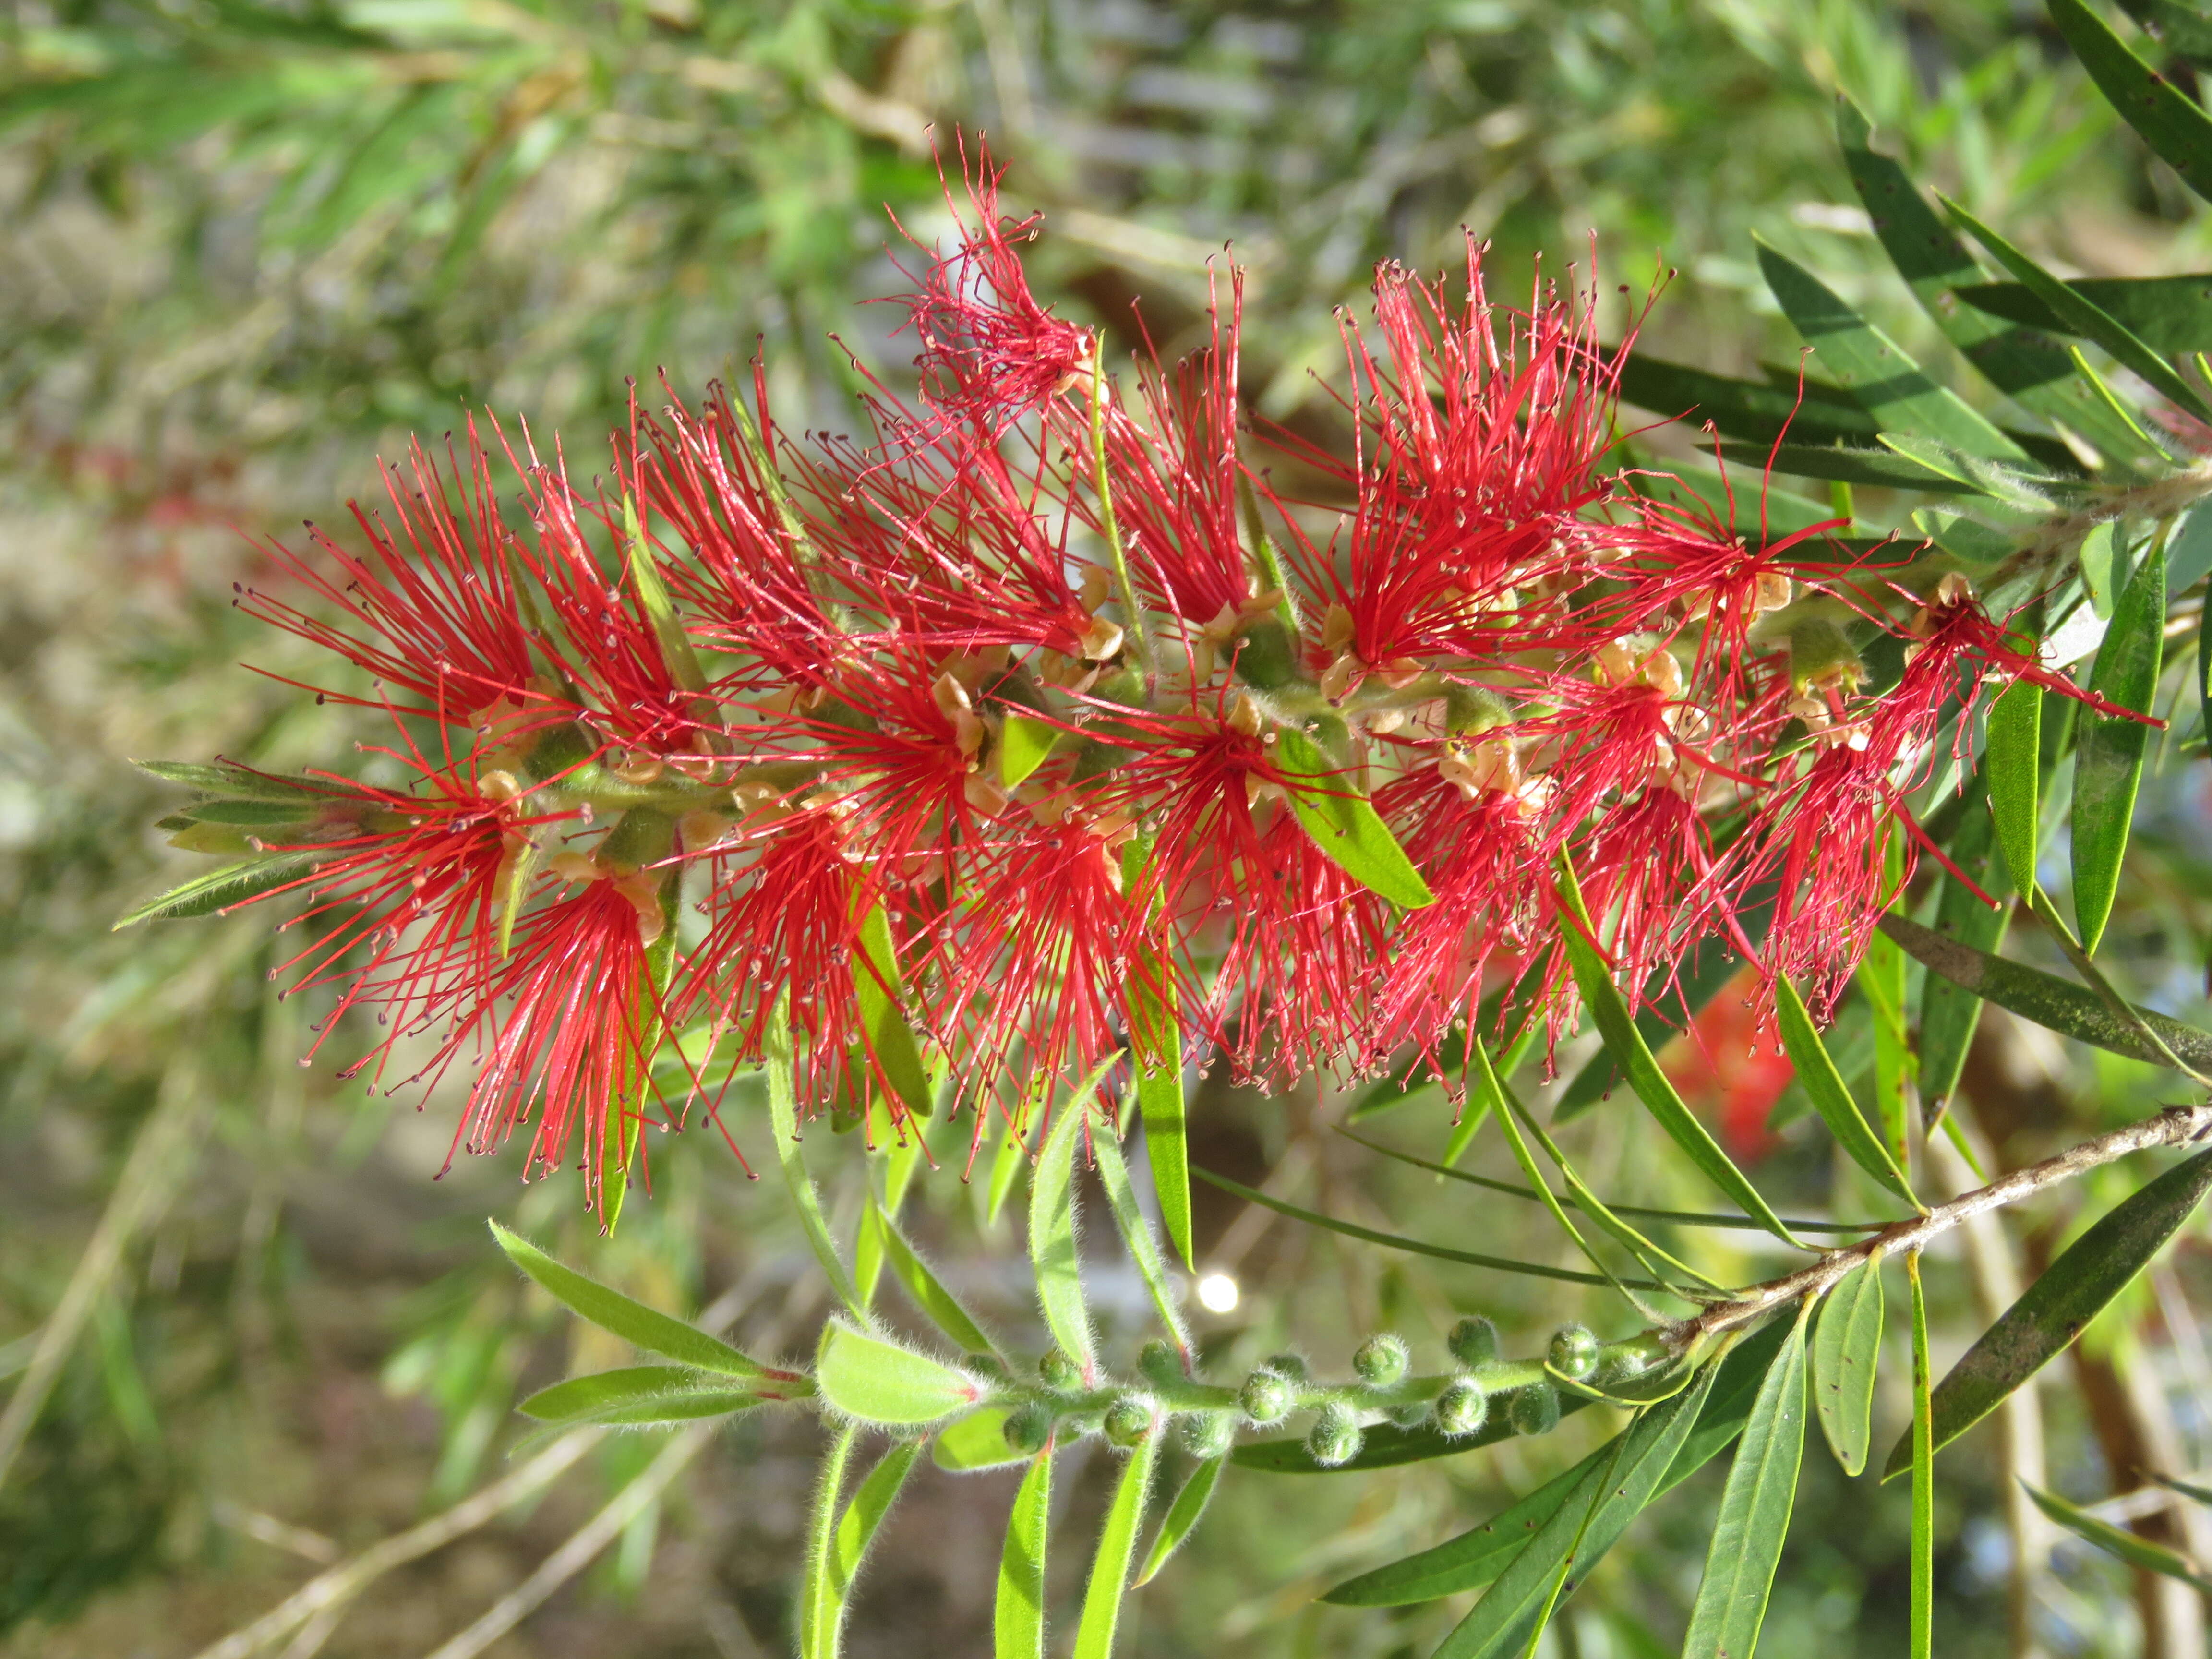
column 572, row 1557
column 2176, row 1126
column 143, row 1191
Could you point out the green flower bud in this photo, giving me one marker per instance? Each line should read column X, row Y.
column 1462, row 1408
column 985, row 1365
column 1290, row 1366
column 1473, row 1341
column 1335, row 1436
column 1381, row 1360
column 1058, row 1372
column 1160, row 1363
column 1268, row 1395
column 1631, row 1358
column 1208, row 1434
column 1028, row 1427
column 1411, row 1415
column 1574, row 1351
column 1535, row 1409
column 1129, row 1420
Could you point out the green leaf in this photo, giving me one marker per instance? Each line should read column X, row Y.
column 659, row 610
column 654, row 1411
column 1344, row 824
column 2172, row 315
column 2083, row 316
column 2166, row 117
column 1709, row 971
column 2059, row 1306
column 1183, row 1515
column 1884, row 468
column 882, row 1383
column 1651, row 1083
column 1052, row 1235
column 781, row 1066
column 219, row 889
column 2119, row 1540
column 1825, row 1087
column 1846, row 1351
column 1566, row 1545
column 977, row 1441
column 2195, row 1493
column 1117, row 1543
column 635, row 1323
column 2032, row 370
column 1754, row 411
column 2012, row 764
column 2047, row 1001
column 2108, row 755
column 1474, row 1557
column 1025, row 744
column 633, row 1385
column 1754, row 1514
column 929, row 1292
column 856, row 1527
column 1156, row 1056
column 818, row 1601
column 1018, row 1619
column 1414, row 1246
column 228, row 778
column 888, row 1040
column 1874, row 368
column 255, row 814
column 1136, row 1233
column 1922, row 1458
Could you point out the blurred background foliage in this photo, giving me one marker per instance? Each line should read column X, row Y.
column 250, row 246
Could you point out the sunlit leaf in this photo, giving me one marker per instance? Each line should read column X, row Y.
column 2012, row 763
column 818, row 1601
column 1825, row 1087
column 2059, row 1305
column 2168, row 117
column 1846, row 1353
column 2109, row 752
column 1708, row 973
column 1183, row 1515
column 1921, row 1456
column 2135, row 1551
column 1017, row 1618
column 929, row 1292
column 877, row 1382
column 1117, row 1544
column 1025, row 744
column 1342, row 823
column 2172, row 315
column 889, row 1042
column 218, row 889
column 1881, row 468
column 635, row 1323
column 856, row 1527
column 1052, row 1233
column 1757, row 411
column 1156, row 1056
column 1754, row 1513
column 977, row 1441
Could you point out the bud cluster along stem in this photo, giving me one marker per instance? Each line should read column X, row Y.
column 1042, row 711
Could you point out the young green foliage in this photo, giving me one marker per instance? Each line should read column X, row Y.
column 883, row 1383
column 1342, row 823
column 1824, row 1086
column 1182, row 1515
column 1117, row 1544
column 1846, row 1353
column 1017, row 1618
column 635, row 1323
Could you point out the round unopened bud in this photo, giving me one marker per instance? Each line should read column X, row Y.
column 1535, row 1409
column 1573, row 1352
column 1028, row 1426
column 1160, row 1363
column 1208, row 1434
column 1268, row 1395
column 1058, row 1372
column 1462, row 1408
column 1335, row 1436
column 1129, row 1420
column 1290, row 1366
column 1382, row 1360
column 1411, row 1415
column 988, row 1366
column 1473, row 1341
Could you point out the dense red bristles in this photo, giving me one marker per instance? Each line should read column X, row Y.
column 1520, row 652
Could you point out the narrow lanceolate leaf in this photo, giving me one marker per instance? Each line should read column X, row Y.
column 1754, row 1514
column 1846, row 1351
column 1343, row 824
column 1886, row 468
column 977, row 1441
column 1825, row 1087
column 2119, row 1541
column 856, row 1527
column 229, row 778
column 1183, row 1515
column 1881, row 980
column 635, row 1323
column 677, row 1386
column 1949, row 1015
column 783, row 1118
column 881, row 1383
column 1651, row 1083
column 1137, row 1232
column 1874, row 368
column 1156, row 1056
column 2059, row 1306
column 2029, row 366
column 1922, row 1610
column 2012, row 763
column 1415, row 1246
column 890, row 1039
column 650, row 1411
column 1117, row 1544
column 2047, row 1001
column 1052, row 1238
column 2168, row 117
column 2108, row 755
column 1024, row 746
column 2172, row 315
column 2084, row 317
column 659, row 609
column 1758, row 412
column 818, row 1602
column 1563, row 1549
column 1018, row 1619
column 929, row 1293
column 1476, row 1557
column 218, row 889
column 1708, row 972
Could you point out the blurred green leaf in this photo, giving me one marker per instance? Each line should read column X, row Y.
column 2169, row 121
column 1052, row 1254
column 781, row 1066
column 890, row 1048
column 929, row 1292
column 1137, row 1232
column 2119, row 1541
column 636, row 1385
column 1824, row 1085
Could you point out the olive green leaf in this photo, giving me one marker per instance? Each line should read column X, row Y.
column 1846, row 1351
column 2109, row 752
column 635, row 1323
column 2168, row 117
column 2117, row 1540
column 1824, row 1085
